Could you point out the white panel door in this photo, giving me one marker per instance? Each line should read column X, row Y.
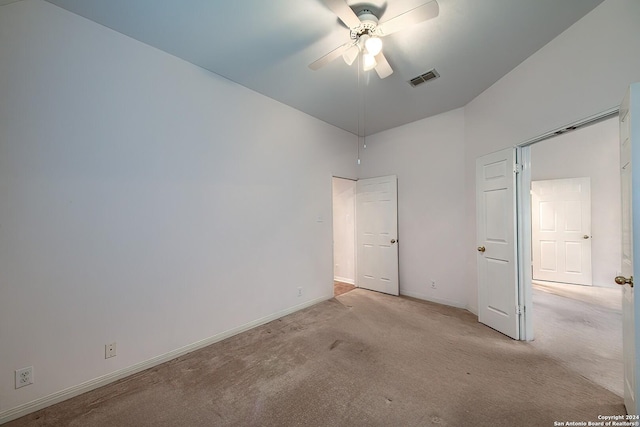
column 629, row 327
column 496, row 227
column 377, row 234
column 561, row 229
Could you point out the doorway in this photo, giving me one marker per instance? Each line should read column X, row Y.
column 344, row 234
column 365, row 234
column 577, row 325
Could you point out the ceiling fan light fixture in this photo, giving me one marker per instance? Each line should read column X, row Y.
column 368, row 62
column 366, row 31
column 362, row 40
column 373, row 45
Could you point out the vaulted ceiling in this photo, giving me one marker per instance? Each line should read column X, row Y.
column 268, row 45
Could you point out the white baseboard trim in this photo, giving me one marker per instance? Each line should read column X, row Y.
column 432, row 299
column 344, row 280
column 43, row 402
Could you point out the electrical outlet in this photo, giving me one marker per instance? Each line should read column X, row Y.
column 110, row 350
column 24, row 377
column 433, row 284
column 300, row 291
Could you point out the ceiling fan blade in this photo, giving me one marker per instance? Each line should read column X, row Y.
column 409, row 18
column 335, row 53
column 383, row 68
column 351, row 54
column 344, row 12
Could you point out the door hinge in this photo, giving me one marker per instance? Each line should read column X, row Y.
column 519, row 309
column 517, row 168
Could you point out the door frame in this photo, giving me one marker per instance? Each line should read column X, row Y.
column 523, row 216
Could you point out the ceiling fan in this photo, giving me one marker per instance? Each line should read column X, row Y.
column 366, row 33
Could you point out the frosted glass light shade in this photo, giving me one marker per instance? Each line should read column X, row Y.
column 368, row 62
column 373, row 45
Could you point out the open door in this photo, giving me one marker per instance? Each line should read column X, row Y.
column 628, row 132
column 377, row 234
column 496, row 227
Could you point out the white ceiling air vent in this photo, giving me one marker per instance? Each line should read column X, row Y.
column 423, row 78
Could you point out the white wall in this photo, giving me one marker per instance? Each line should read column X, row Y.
column 594, row 152
column 426, row 156
column 580, row 73
column 344, row 230
column 144, row 201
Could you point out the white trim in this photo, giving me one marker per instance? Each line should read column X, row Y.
column 76, row 390
column 442, row 301
column 344, row 280
column 586, row 121
column 523, row 207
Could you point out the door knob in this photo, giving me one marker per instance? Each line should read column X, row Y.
column 481, row 249
column 621, row 280
column 393, row 241
column 585, row 237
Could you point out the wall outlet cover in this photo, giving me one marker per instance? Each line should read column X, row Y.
column 110, row 350
column 24, row 376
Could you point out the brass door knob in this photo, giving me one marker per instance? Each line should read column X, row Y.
column 621, row 280
column 393, row 241
column 585, row 237
column 481, row 249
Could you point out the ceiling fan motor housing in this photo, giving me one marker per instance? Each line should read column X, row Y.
column 368, row 23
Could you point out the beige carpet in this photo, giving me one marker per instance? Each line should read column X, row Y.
column 361, row 359
column 581, row 327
